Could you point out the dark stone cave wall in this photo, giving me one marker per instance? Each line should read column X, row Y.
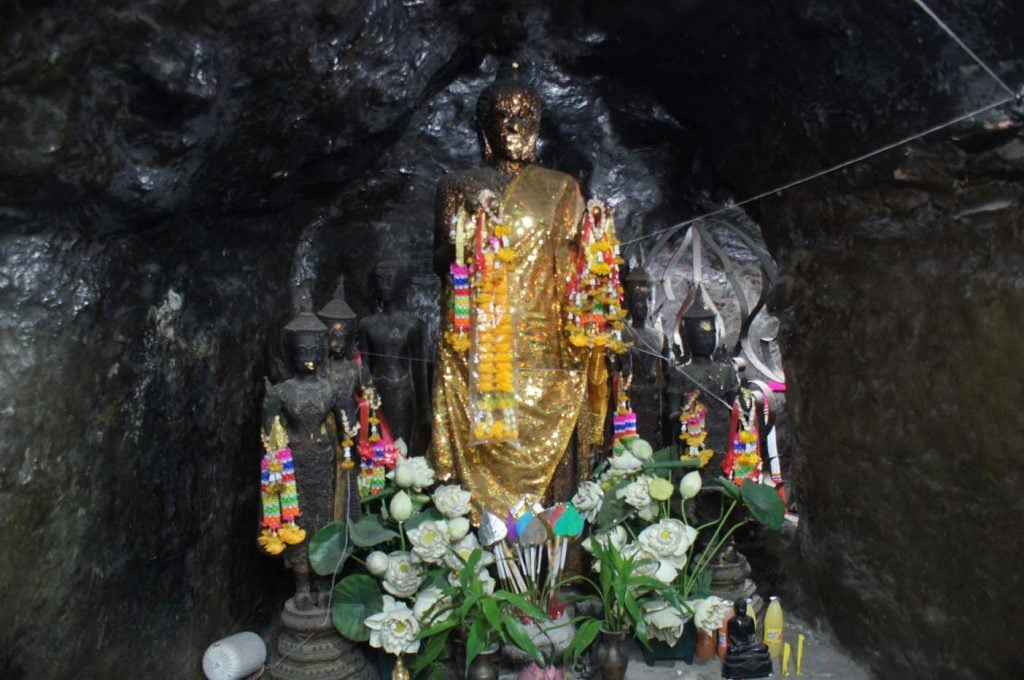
column 167, row 168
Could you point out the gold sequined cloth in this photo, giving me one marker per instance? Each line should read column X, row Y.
column 544, row 208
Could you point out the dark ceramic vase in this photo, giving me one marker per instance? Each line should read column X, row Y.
column 612, row 658
column 484, row 666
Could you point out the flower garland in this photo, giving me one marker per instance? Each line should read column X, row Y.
column 377, row 450
column 624, row 420
column 492, row 409
column 743, row 461
column 693, row 430
column 279, row 493
column 459, row 313
column 595, row 312
column 348, row 432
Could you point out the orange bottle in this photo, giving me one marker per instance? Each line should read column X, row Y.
column 705, row 648
column 723, row 631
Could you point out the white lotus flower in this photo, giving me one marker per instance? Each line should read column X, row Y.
column 458, row 527
column 636, row 493
column 486, row 580
column 404, row 576
column 414, row 473
column 588, row 500
column 664, row 622
column 394, row 629
column 429, row 541
column 432, row 606
column 709, row 613
column 452, row 500
column 463, row 549
column 377, row 563
column 668, row 541
column 644, row 563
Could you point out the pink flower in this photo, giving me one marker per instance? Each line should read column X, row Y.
column 535, row 672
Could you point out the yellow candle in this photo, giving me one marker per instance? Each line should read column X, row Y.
column 786, row 650
column 800, row 655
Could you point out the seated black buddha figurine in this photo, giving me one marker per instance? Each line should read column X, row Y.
column 646, row 364
column 345, row 375
column 393, row 343
column 747, row 656
column 306, row 407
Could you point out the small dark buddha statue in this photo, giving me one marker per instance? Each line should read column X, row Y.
column 646, row 363
column 344, row 374
column 392, row 340
column 306, row 407
column 747, row 657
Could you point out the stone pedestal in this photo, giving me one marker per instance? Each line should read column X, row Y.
column 309, row 648
column 730, row 579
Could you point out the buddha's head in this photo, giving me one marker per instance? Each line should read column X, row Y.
column 389, row 277
column 341, row 323
column 508, row 118
column 638, row 287
column 305, row 343
column 699, row 322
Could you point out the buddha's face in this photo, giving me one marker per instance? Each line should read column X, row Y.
column 701, row 337
column 511, row 126
column 387, row 279
column 307, row 352
column 339, row 337
column 638, row 298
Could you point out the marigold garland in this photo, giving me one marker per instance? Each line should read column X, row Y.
column 693, row 429
column 743, row 461
column 595, row 310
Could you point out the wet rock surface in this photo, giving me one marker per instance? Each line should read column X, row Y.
column 169, row 170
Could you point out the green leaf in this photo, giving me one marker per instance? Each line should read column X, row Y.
column 430, row 651
column 355, row 598
column 521, row 640
column 584, row 637
column 370, row 531
column 326, row 552
column 428, row 515
column 764, row 504
column 521, row 603
column 437, row 671
column 613, row 509
column 490, row 608
column 666, row 454
column 474, row 642
column 728, row 488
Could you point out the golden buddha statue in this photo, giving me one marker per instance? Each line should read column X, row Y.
column 541, row 211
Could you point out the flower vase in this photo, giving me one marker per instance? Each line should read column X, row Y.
column 612, row 657
column 484, row 666
column 681, row 651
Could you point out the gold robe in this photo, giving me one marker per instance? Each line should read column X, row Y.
column 544, row 208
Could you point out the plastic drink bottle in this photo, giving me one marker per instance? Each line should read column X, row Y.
column 773, row 628
column 723, row 631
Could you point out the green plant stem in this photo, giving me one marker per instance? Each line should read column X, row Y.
column 401, row 533
column 712, row 549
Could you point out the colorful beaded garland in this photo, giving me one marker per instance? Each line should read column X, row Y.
column 693, row 430
column 595, row 311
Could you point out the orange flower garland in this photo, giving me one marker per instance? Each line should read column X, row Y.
column 595, row 311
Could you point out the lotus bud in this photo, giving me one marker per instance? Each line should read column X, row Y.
column 641, row 449
column 690, row 484
column 403, row 448
column 377, row 563
column 404, row 474
column 458, row 527
column 400, row 506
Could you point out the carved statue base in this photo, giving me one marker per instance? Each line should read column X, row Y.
column 309, row 648
column 730, row 578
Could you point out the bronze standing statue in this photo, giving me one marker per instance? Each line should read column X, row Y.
column 647, row 359
column 393, row 342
